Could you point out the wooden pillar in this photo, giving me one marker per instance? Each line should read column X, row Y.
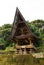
column 16, row 46
column 20, row 51
column 31, row 44
column 31, row 50
column 25, row 51
column 16, row 43
column 29, row 40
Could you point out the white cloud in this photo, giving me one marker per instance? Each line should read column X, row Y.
column 31, row 10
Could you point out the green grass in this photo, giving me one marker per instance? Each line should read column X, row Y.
column 12, row 59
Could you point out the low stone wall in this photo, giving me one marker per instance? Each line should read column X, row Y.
column 38, row 55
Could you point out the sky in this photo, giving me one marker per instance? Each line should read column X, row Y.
column 30, row 9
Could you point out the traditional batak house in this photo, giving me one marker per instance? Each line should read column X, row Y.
column 20, row 34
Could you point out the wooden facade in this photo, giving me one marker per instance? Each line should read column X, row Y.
column 21, row 34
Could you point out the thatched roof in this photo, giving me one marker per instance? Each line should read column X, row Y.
column 18, row 16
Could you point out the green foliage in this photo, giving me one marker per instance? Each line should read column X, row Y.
column 6, row 26
column 4, row 34
column 2, row 41
column 36, row 28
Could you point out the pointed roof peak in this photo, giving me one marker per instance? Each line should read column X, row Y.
column 18, row 12
column 17, row 8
